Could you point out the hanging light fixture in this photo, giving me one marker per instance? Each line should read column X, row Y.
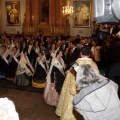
column 68, row 10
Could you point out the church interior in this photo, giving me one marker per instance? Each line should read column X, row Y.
column 50, row 20
column 33, row 17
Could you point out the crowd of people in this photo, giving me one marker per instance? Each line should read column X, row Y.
column 62, row 66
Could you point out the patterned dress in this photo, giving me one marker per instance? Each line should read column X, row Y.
column 24, row 72
column 39, row 78
column 55, row 79
column 65, row 106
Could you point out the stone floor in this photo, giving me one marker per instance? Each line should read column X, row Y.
column 29, row 105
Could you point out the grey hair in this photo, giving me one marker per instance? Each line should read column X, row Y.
column 86, row 76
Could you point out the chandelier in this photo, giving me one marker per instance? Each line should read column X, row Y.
column 68, row 10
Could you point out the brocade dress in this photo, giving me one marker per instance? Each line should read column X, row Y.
column 65, row 106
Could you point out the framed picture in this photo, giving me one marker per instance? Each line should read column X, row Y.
column 12, row 13
column 82, row 12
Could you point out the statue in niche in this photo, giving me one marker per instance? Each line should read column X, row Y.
column 45, row 11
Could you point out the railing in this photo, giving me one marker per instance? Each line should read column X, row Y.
column 46, row 30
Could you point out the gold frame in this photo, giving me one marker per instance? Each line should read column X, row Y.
column 82, row 14
column 12, row 13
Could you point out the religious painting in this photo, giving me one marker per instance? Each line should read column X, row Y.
column 82, row 12
column 12, row 13
column 45, row 11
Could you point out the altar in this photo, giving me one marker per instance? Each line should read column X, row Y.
column 46, row 17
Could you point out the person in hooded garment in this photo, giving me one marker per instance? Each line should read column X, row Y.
column 98, row 98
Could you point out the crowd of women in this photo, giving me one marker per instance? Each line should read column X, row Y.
column 33, row 60
column 44, row 61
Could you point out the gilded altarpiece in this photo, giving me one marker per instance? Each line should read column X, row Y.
column 46, row 16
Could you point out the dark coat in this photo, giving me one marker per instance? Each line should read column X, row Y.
column 71, row 58
column 113, row 61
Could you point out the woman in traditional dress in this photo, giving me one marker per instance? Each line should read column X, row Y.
column 31, row 52
column 24, row 71
column 55, row 79
column 39, row 78
column 4, row 62
column 52, row 53
column 13, row 62
column 65, row 105
column 36, row 52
